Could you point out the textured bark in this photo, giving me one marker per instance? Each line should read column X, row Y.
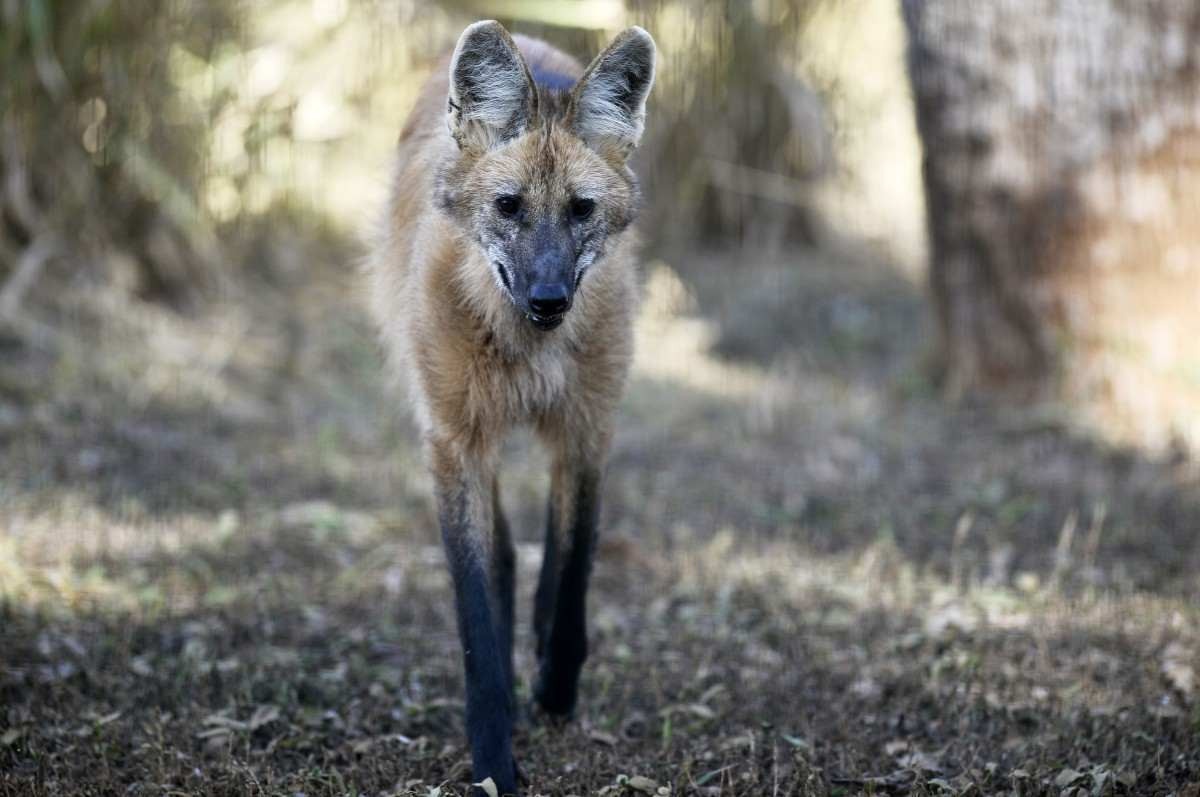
column 1062, row 164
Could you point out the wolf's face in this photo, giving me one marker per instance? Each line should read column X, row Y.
column 541, row 179
column 542, row 207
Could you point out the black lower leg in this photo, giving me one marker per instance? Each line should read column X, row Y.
column 504, row 582
column 489, row 726
column 547, row 588
column 565, row 645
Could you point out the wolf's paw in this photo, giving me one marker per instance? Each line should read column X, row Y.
column 554, row 700
column 500, row 782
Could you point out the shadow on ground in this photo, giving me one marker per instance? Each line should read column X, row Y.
column 319, row 657
column 220, row 573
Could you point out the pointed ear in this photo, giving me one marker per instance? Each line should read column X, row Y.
column 492, row 98
column 609, row 104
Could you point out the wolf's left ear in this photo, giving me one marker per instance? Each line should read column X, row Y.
column 491, row 93
column 609, row 103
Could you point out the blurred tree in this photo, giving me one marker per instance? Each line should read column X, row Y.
column 737, row 139
column 100, row 151
column 1062, row 151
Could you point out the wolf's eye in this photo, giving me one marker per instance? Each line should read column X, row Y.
column 508, row 204
column 581, row 208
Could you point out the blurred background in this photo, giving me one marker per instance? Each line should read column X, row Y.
column 918, row 374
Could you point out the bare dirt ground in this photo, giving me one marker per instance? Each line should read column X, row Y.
column 219, row 570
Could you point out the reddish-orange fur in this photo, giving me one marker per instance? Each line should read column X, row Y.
column 475, row 367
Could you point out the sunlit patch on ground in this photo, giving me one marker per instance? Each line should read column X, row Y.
column 674, row 343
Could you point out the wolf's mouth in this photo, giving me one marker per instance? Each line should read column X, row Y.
column 545, row 322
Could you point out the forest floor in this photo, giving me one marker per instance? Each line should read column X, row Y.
column 220, row 572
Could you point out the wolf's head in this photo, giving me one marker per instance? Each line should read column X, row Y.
column 541, row 179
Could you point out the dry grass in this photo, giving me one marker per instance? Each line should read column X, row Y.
column 219, row 570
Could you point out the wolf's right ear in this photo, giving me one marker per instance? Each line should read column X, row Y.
column 491, row 97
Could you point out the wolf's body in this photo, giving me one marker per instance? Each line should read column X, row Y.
column 475, row 365
column 458, row 283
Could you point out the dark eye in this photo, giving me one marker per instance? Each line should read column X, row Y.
column 508, row 204
column 581, row 208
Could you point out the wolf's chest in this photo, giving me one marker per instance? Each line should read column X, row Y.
column 520, row 390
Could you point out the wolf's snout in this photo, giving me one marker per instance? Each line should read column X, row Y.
column 549, row 299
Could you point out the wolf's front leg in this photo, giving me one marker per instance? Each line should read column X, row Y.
column 464, row 509
column 560, row 611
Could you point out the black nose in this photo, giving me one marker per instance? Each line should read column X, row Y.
column 547, row 299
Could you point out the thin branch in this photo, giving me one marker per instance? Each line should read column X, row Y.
column 16, row 192
column 29, row 266
column 747, row 180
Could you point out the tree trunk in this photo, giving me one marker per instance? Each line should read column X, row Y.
column 1062, row 169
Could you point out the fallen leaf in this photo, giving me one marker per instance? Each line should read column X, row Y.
column 602, row 737
column 263, row 715
column 489, row 786
column 919, row 762
column 1067, row 777
column 796, row 741
column 643, row 784
column 743, row 741
column 223, row 722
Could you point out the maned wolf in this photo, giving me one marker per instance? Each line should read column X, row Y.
column 503, row 279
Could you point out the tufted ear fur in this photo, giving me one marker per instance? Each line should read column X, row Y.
column 609, row 103
column 492, row 97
